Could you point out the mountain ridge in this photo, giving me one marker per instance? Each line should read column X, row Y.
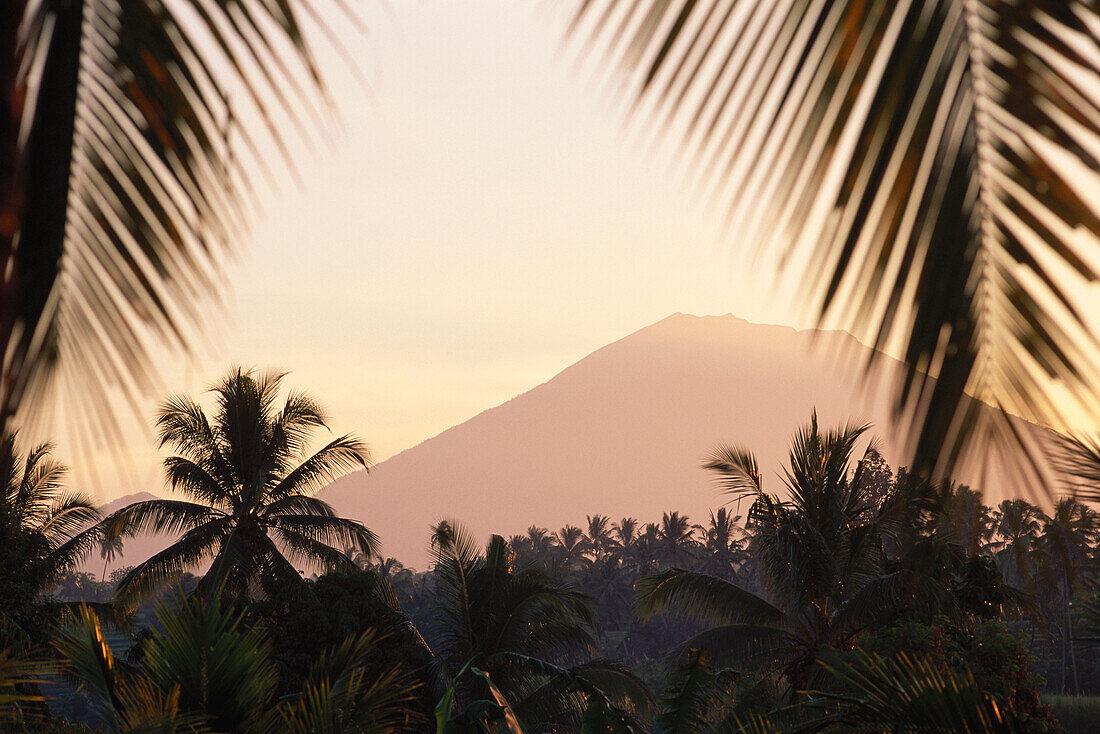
column 672, row 364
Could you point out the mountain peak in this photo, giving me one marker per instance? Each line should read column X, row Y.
column 622, row 432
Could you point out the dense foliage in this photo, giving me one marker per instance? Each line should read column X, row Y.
column 849, row 597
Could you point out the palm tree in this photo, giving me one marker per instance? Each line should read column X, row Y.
column 820, row 556
column 599, row 536
column 963, row 518
column 676, row 539
column 44, row 534
column 249, row 479
column 722, row 543
column 1068, row 535
column 518, row 631
column 625, row 539
column 924, row 160
column 625, row 531
column 570, row 549
column 1018, row 524
column 542, row 541
column 130, row 137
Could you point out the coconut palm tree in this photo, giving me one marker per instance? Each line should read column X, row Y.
column 722, row 544
column 819, row 554
column 924, row 161
column 599, row 536
column 570, row 549
column 963, row 518
column 44, row 533
column 625, row 539
column 131, row 134
column 1018, row 524
column 518, row 631
column 676, row 543
column 249, row 479
column 1068, row 536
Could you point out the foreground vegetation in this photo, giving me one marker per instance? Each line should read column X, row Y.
column 853, row 598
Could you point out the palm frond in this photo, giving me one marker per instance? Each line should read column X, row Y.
column 549, row 686
column 886, row 594
column 18, row 672
column 335, row 531
column 307, row 549
column 694, row 696
column 160, row 516
column 204, row 649
column 90, row 662
column 1077, row 457
column 338, row 457
column 134, row 171
column 927, row 163
column 912, row 694
column 196, row 481
column 738, row 474
column 339, row 696
column 187, row 552
column 699, row 596
column 456, row 557
column 745, row 646
column 67, row 514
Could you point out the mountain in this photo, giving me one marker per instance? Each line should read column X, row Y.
column 622, row 432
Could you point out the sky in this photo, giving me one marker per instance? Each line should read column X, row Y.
column 476, row 218
column 480, row 214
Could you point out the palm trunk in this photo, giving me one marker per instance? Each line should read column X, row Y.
column 1069, row 638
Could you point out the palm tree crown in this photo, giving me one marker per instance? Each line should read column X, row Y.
column 44, row 531
column 531, row 635
column 249, row 479
column 819, row 553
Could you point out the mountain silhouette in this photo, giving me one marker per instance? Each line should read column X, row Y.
column 622, row 432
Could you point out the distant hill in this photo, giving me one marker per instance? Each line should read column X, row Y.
column 621, row 432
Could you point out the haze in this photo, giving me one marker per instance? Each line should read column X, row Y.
column 478, row 220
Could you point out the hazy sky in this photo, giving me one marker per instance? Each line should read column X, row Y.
column 478, row 220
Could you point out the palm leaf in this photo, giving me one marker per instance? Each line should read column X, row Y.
column 191, row 548
column 745, row 646
column 737, row 471
column 928, row 163
column 1077, row 457
column 17, row 673
column 338, row 457
column 159, row 515
column 554, row 692
column 695, row 695
column 132, row 172
column 699, row 596
column 334, row 531
column 910, row 694
column 205, row 650
column 338, row 696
